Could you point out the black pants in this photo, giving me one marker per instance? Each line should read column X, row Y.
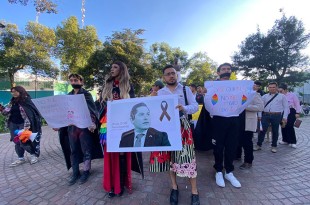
column 247, row 144
column 288, row 132
column 80, row 139
column 225, row 134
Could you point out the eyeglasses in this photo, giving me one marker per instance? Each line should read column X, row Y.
column 168, row 74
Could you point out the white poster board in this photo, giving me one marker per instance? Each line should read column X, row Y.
column 155, row 117
column 228, row 97
column 63, row 110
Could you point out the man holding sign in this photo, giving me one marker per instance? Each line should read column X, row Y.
column 225, row 100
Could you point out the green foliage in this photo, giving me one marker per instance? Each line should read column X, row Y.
column 31, row 50
column 42, row 6
column 276, row 55
column 3, row 128
column 75, row 46
column 126, row 46
column 201, row 68
column 163, row 54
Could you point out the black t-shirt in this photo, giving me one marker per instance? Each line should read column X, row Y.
column 15, row 116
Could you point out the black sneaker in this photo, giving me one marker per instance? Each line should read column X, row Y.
column 73, row 179
column 84, row 177
column 174, row 195
column 195, row 199
column 111, row 194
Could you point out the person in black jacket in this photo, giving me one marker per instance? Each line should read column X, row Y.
column 23, row 115
column 143, row 135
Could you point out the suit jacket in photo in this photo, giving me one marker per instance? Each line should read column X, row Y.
column 153, row 138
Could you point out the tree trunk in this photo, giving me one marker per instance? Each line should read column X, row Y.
column 12, row 81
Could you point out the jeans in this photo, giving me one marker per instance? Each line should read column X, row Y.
column 274, row 120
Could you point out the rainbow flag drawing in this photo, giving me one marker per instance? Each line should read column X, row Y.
column 214, row 99
column 244, row 99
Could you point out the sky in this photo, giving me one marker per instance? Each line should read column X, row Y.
column 216, row 27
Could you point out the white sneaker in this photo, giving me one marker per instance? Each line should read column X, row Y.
column 33, row 159
column 293, row 146
column 283, row 143
column 233, row 180
column 18, row 162
column 219, row 179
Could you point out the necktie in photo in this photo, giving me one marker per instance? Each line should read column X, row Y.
column 138, row 140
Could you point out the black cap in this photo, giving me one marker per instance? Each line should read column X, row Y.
column 258, row 83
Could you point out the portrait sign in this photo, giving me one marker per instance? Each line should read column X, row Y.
column 144, row 124
column 229, row 97
column 63, row 110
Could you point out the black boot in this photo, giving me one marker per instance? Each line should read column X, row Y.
column 84, row 177
column 75, row 175
column 123, row 173
column 111, row 194
column 174, row 195
column 195, row 199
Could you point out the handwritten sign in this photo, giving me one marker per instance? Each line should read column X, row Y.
column 228, row 98
column 63, row 110
column 155, row 117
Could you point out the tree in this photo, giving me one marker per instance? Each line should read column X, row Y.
column 276, row 55
column 163, row 54
column 41, row 6
column 31, row 50
column 201, row 68
column 75, row 46
column 126, row 46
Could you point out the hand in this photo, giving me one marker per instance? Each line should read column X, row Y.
column 284, row 120
column 180, row 107
column 259, row 118
column 92, row 128
column 297, row 115
column 55, row 129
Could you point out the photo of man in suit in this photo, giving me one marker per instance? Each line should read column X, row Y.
column 143, row 135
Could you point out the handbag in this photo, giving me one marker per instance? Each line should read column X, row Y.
column 297, row 123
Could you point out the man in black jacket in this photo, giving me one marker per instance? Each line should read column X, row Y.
column 143, row 135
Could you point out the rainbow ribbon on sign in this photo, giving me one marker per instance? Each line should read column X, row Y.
column 244, row 99
column 214, row 99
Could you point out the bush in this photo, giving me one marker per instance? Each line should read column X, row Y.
column 3, row 128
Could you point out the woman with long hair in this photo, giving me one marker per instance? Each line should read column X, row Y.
column 23, row 115
column 117, row 166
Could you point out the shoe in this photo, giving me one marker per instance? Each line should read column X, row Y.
column 273, row 149
column 219, row 179
column 233, row 180
column 33, row 159
column 84, row 177
column 73, row 179
column 245, row 166
column 257, row 147
column 283, row 143
column 174, row 195
column 195, row 199
column 293, row 146
column 111, row 194
column 18, row 162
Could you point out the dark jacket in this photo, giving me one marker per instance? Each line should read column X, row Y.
column 153, row 138
column 63, row 133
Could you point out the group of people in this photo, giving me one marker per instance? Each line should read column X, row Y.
column 230, row 135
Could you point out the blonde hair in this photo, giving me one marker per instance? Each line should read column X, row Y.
column 124, row 85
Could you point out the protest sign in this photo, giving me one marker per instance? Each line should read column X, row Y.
column 228, row 98
column 63, row 110
column 144, row 124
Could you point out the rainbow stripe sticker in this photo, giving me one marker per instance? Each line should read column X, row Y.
column 214, row 99
column 244, row 99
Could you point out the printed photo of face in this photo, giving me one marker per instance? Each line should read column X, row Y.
column 142, row 119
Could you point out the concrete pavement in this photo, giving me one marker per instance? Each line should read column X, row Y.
column 275, row 178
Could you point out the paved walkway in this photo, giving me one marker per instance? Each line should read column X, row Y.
column 280, row 178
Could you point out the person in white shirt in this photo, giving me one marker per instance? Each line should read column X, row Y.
column 276, row 110
column 182, row 163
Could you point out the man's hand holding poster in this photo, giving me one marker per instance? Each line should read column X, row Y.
column 63, row 110
column 143, row 124
column 228, row 98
